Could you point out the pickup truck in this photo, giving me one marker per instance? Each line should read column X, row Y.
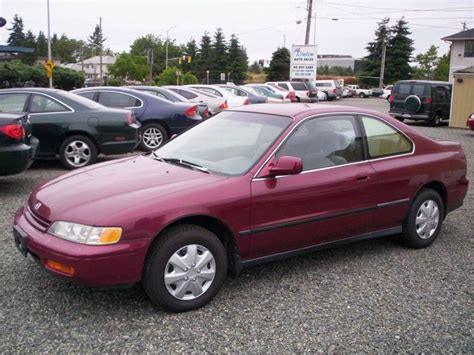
column 363, row 93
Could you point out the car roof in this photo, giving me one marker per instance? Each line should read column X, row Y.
column 433, row 82
column 111, row 88
column 34, row 89
column 301, row 110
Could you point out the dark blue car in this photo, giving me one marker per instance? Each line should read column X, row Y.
column 160, row 118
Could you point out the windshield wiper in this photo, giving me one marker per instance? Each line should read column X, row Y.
column 182, row 162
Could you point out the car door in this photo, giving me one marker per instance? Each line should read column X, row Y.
column 333, row 198
column 390, row 153
column 50, row 119
column 442, row 101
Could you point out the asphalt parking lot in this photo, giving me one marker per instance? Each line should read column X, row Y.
column 372, row 296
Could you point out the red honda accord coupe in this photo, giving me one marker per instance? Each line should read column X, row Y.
column 250, row 185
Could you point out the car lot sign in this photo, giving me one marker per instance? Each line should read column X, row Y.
column 303, row 62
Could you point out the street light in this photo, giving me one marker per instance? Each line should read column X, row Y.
column 167, row 44
column 284, row 38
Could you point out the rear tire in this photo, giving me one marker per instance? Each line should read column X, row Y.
column 173, row 278
column 424, row 220
column 77, row 151
column 435, row 122
column 153, row 135
column 362, row 95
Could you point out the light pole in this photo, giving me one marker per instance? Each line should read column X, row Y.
column 284, row 38
column 49, row 45
column 167, row 44
column 382, row 64
column 100, row 49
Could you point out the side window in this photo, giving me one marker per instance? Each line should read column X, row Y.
column 299, row 86
column 13, row 102
column 383, row 140
column 88, row 94
column 40, row 103
column 186, row 94
column 325, row 142
column 283, row 85
column 441, row 94
column 211, row 91
column 115, row 99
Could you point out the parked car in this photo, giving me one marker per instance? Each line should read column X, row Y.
column 272, row 95
column 421, row 100
column 252, row 96
column 347, row 92
column 332, row 88
column 232, row 100
column 358, row 91
column 250, row 185
column 300, row 88
column 215, row 103
column 470, row 121
column 160, row 118
column 275, row 89
column 377, row 92
column 171, row 96
column 71, row 127
column 313, row 92
column 17, row 146
column 387, row 92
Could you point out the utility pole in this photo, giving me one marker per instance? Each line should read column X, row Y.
column 464, row 26
column 100, row 49
column 49, row 45
column 308, row 21
column 150, row 62
column 382, row 64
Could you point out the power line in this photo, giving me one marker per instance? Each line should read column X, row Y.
column 401, row 10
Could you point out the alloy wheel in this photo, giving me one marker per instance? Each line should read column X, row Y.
column 78, row 153
column 152, row 137
column 427, row 219
column 190, row 272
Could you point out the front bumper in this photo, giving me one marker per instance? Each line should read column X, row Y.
column 96, row 266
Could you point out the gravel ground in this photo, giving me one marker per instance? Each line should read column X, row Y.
column 373, row 296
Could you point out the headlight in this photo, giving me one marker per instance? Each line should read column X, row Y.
column 83, row 234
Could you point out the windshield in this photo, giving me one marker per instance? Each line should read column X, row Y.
column 229, row 143
column 81, row 100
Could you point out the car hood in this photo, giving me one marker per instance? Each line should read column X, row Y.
column 89, row 195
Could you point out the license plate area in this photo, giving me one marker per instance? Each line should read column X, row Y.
column 20, row 240
column 406, row 115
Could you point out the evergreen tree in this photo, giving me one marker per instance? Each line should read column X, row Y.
column 29, row 42
column 191, row 51
column 97, row 38
column 17, row 34
column 218, row 55
column 279, row 68
column 41, row 45
column 399, row 53
column 255, row 68
column 204, row 60
column 370, row 66
column 237, row 61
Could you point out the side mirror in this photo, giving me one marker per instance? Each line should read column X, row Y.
column 285, row 165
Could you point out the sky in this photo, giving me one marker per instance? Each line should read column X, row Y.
column 342, row 26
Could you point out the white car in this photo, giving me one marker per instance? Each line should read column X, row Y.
column 232, row 100
column 215, row 104
column 272, row 94
column 300, row 88
column 387, row 91
column 363, row 93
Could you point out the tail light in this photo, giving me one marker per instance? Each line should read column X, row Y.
column 292, row 96
column 223, row 105
column 15, row 131
column 205, row 113
column 191, row 112
column 131, row 119
column 391, row 99
column 246, row 102
column 428, row 100
column 334, row 90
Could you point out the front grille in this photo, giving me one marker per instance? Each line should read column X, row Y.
column 36, row 220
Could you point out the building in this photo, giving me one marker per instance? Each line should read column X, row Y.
column 462, row 51
column 334, row 60
column 91, row 66
column 462, row 104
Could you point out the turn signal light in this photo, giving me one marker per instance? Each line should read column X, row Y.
column 62, row 268
column 110, row 236
column 15, row 131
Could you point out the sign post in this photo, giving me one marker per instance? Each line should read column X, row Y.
column 303, row 64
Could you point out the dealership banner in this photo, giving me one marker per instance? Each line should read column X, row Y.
column 303, row 62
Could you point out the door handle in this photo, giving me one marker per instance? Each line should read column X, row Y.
column 362, row 177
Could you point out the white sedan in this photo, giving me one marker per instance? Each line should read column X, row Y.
column 232, row 100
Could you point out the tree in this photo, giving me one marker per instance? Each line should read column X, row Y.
column 191, row 51
column 427, row 62
column 370, row 66
column 41, row 45
column 255, row 68
column 17, row 35
column 168, row 76
column 204, row 60
column 129, row 67
column 68, row 50
column 189, row 78
column 29, row 42
column 399, row 53
column 441, row 72
column 279, row 68
column 97, row 38
column 237, row 61
column 218, row 55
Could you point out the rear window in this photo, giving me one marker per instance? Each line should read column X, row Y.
column 323, row 85
column 299, row 86
column 402, row 89
column 184, row 93
column 283, row 85
column 421, row 90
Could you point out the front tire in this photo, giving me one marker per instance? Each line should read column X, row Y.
column 77, row 151
column 362, row 95
column 185, row 268
column 154, row 136
column 424, row 220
